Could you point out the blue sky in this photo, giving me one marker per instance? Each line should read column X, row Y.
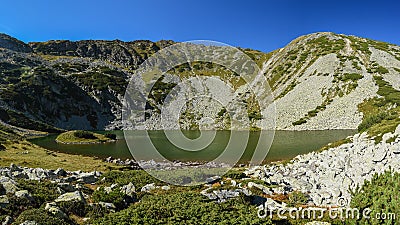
column 263, row 25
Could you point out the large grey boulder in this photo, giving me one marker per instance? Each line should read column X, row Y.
column 60, row 172
column 9, row 185
column 24, row 194
column 87, row 178
column 53, row 209
column 128, row 189
column 71, row 196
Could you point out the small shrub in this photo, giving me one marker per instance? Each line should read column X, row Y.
column 382, row 70
column 351, row 76
column 111, row 136
column 299, row 122
column 84, row 134
column 73, row 207
column 235, row 174
column 297, row 198
column 115, row 196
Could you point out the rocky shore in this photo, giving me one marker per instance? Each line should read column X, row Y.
column 329, row 175
column 163, row 165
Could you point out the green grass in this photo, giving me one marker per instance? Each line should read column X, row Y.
column 24, row 153
column 81, row 137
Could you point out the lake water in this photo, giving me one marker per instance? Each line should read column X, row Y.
column 285, row 145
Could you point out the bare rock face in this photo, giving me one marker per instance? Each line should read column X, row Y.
column 13, row 44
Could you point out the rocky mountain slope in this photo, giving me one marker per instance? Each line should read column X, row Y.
column 319, row 81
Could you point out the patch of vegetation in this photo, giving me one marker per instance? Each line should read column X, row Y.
column 101, row 81
column 299, row 122
column 258, row 56
column 376, row 68
column 373, row 119
column 387, row 91
column 313, row 112
column 67, row 68
column 184, row 208
column 392, row 139
column 288, row 89
column 80, row 136
column 43, row 191
column 115, row 196
column 380, row 117
column 20, row 120
column 297, row 199
column 235, row 174
column 36, row 156
column 42, row 217
column 351, row 76
column 335, row 144
column 382, row 196
column 111, row 136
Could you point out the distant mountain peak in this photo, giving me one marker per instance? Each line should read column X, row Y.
column 8, row 42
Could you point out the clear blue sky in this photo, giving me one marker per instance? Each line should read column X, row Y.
column 263, row 25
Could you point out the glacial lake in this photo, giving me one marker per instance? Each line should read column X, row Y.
column 285, row 145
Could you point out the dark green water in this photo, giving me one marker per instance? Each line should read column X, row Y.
column 285, row 145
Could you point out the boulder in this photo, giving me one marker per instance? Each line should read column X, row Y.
column 165, row 187
column 148, row 187
column 87, row 178
column 9, row 185
column 108, row 206
column 213, row 179
column 53, row 209
column 128, row 189
column 24, row 194
column 66, row 187
column 71, row 196
column 60, row 172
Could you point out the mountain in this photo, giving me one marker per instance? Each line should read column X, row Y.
column 319, row 81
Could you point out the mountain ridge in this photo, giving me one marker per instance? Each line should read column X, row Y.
column 319, row 81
